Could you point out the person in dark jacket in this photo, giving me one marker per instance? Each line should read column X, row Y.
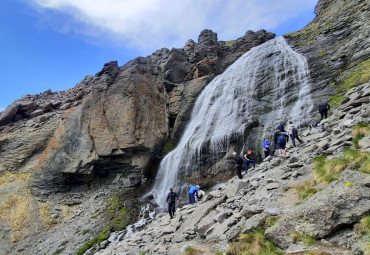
column 193, row 191
column 323, row 110
column 239, row 163
column 266, row 147
column 281, row 127
column 280, row 140
column 249, row 159
column 171, row 202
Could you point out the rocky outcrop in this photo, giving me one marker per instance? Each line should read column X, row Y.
column 333, row 43
column 271, row 190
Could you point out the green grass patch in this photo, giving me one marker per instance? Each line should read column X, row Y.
column 253, row 243
column 327, row 171
column 104, row 235
column 271, row 221
column 307, row 189
column 308, row 239
column 230, row 43
column 191, row 251
column 119, row 215
column 322, row 53
column 359, row 75
column 85, row 231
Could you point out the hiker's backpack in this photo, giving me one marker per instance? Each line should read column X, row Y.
column 295, row 132
column 281, row 138
column 322, row 107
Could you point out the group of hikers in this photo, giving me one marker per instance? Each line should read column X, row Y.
column 281, row 138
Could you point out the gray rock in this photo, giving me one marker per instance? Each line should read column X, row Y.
column 322, row 214
column 272, row 186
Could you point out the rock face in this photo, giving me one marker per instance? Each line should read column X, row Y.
column 271, row 190
column 334, row 42
column 109, row 132
column 116, row 123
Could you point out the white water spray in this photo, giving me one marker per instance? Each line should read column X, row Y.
column 271, row 80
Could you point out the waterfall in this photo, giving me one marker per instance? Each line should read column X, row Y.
column 271, row 82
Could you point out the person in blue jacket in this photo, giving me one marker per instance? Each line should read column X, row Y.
column 266, row 147
column 192, row 192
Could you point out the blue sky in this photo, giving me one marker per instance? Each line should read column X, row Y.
column 56, row 43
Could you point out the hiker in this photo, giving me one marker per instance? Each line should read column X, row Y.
column 249, row 158
column 192, row 192
column 323, row 110
column 239, row 163
column 171, row 201
column 266, row 147
column 293, row 133
column 280, row 140
column 281, row 127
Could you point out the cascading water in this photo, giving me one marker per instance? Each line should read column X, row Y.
column 270, row 81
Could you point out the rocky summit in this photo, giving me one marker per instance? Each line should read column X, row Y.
column 87, row 170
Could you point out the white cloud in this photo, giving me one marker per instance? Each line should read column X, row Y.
column 153, row 24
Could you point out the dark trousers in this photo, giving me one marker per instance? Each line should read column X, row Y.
column 191, row 198
column 247, row 162
column 239, row 172
column 267, row 153
column 292, row 137
column 171, row 209
column 324, row 113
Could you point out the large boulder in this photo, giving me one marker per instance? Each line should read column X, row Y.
column 341, row 204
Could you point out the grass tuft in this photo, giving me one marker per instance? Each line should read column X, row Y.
column 254, row 243
column 308, row 239
column 191, row 251
column 307, row 189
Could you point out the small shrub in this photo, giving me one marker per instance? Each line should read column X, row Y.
column 191, row 251
column 85, row 231
column 219, row 253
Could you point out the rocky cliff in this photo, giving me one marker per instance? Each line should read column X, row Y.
column 107, row 134
column 316, row 201
column 64, row 155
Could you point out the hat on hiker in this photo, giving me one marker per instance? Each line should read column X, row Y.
column 234, row 153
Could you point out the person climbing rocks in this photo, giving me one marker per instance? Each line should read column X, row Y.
column 266, row 147
column 171, row 202
column 280, row 140
column 239, row 163
column 249, row 159
column 281, row 127
column 293, row 133
column 323, row 110
column 192, row 192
